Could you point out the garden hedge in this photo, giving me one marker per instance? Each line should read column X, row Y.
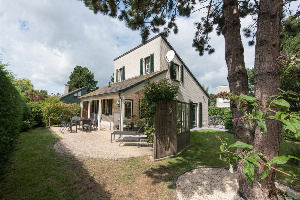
column 11, row 114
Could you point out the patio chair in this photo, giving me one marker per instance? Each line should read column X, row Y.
column 65, row 124
column 86, row 124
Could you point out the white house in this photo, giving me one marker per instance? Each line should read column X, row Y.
column 220, row 102
column 131, row 71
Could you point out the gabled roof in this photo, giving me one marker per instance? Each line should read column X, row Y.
column 73, row 92
column 123, row 85
column 160, row 35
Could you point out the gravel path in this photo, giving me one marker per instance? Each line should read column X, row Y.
column 96, row 144
column 212, row 183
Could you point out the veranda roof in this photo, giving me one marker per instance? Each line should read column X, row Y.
column 123, row 85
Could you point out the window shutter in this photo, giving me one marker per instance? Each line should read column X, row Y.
column 123, row 73
column 182, row 73
column 152, row 62
column 110, row 106
column 141, row 66
column 191, row 115
column 117, row 74
column 200, row 114
column 172, row 70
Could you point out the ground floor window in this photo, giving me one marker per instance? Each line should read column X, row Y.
column 128, row 108
column 107, row 106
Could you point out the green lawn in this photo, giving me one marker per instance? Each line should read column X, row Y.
column 35, row 171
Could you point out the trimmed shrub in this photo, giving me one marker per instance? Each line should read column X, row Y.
column 32, row 116
column 36, row 114
column 27, row 115
column 11, row 115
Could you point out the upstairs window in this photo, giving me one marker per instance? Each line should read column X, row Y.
column 77, row 94
column 176, row 72
column 120, row 74
column 147, row 65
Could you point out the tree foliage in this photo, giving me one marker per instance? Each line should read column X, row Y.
column 290, row 36
column 24, row 85
column 81, row 77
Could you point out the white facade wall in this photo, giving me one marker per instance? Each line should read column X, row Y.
column 131, row 60
column 189, row 90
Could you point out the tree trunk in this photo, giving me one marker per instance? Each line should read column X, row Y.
column 238, row 82
column 267, row 82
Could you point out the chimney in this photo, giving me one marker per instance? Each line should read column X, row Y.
column 66, row 89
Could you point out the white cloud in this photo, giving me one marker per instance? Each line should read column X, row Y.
column 44, row 40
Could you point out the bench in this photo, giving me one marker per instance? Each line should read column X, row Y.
column 132, row 133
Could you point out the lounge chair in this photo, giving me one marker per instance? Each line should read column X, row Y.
column 139, row 132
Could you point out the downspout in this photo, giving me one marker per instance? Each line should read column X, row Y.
column 121, row 114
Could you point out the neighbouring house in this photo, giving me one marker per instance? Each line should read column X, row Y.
column 73, row 97
column 122, row 99
column 220, row 102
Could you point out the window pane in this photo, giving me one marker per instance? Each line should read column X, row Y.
column 187, row 125
column 179, row 113
column 128, row 109
column 147, row 65
column 183, row 117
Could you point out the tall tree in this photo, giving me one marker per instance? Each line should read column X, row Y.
column 81, row 77
column 24, row 85
column 224, row 15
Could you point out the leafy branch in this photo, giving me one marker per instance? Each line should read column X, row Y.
column 252, row 159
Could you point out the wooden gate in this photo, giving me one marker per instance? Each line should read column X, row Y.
column 166, row 137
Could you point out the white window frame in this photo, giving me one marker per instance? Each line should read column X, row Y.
column 147, row 65
column 176, row 72
column 120, row 74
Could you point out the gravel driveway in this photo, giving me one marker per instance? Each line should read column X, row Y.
column 97, row 144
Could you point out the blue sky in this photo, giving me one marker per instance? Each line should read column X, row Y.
column 44, row 40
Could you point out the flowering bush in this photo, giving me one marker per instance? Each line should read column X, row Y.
column 53, row 110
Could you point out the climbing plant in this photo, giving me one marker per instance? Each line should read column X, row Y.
column 154, row 93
